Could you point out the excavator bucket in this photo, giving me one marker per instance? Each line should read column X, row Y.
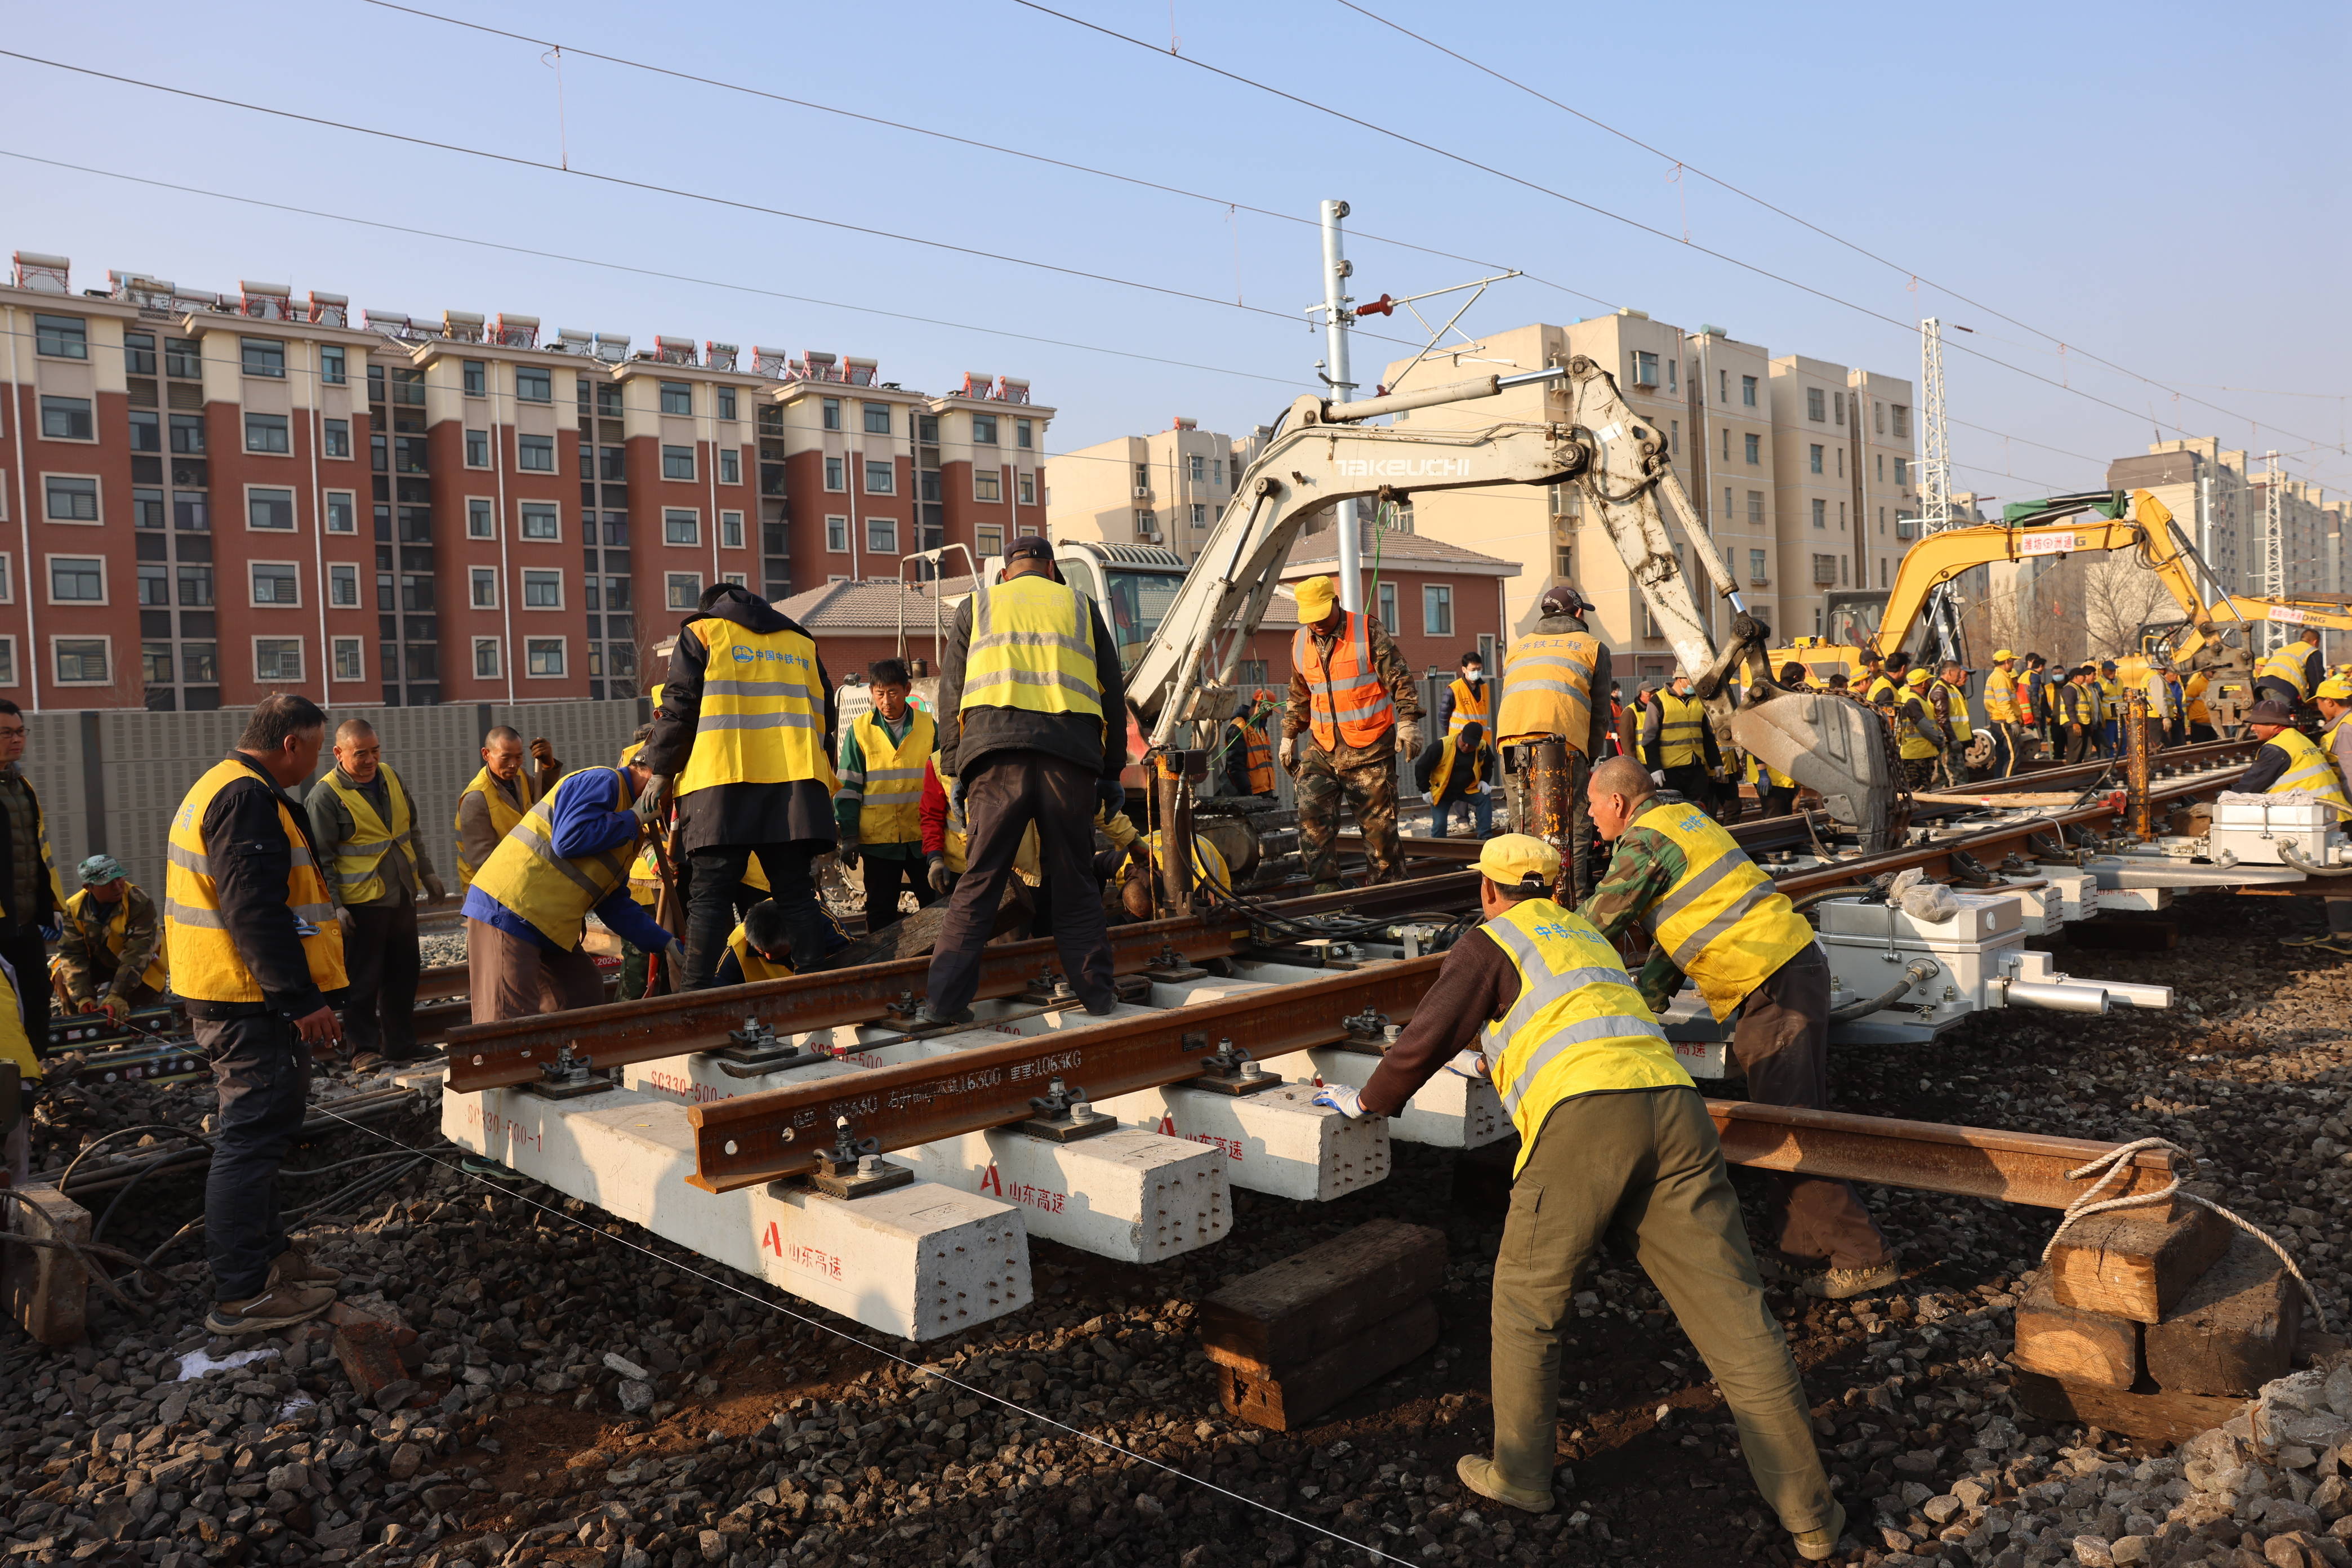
column 1831, row 745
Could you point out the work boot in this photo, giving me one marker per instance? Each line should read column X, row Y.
column 2337, row 943
column 1479, row 1474
column 1839, row 1284
column 2308, row 938
column 1816, row 1545
column 1103, row 1008
column 290, row 1268
column 927, row 1019
column 279, row 1307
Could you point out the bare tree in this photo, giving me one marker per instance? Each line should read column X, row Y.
column 2118, row 596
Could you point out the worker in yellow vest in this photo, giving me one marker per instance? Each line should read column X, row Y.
column 16, row 1047
column 1458, row 769
column 1039, row 736
column 1713, row 916
column 877, row 812
column 1354, row 708
column 2201, row 713
column 744, row 734
column 760, row 947
column 110, row 956
column 1883, row 684
column 253, row 945
column 1467, row 698
column 1947, row 704
column 1613, row 1139
column 1679, row 743
column 2333, row 697
column 2004, row 713
column 2292, row 672
column 367, row 827
column 2111, row 709
column 499, row 796
column 1558, row 690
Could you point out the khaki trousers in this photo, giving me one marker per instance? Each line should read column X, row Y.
column 1646, row 1164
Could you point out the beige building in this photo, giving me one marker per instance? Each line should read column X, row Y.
column 2219, row 498
column 1167, row 488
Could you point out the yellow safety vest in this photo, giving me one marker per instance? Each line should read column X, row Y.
column 890, row 790
column 2000, row 698
column 1547, row 688
column 16, row 1045
column 1881, row 692
column 113, row 931
column 1913, row 746
column 1033, row 647
column 2286, row 664
column 763, row 719
column 2194, row 689
column 525, row 875
column 2111, row 697
column 205, row 964
column 1723, row 922
column 1762, row 774
column 1682, row 729
column 756, row 965
column 1472, row 708
column 1957, row 699
column 1579, row 1026
column 503, row 814
column 357, row 864
column 2307, row 768
column 1443, row 773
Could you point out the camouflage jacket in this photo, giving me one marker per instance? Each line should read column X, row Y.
column 89, row 969
column 1646, row 864
column 1404, row 692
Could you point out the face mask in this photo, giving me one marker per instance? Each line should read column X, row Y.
column 1474, row 677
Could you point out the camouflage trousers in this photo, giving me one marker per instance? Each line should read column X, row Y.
column 1326, row 787
column 1919, row 773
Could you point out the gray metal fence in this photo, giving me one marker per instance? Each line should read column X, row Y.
column 111, row 780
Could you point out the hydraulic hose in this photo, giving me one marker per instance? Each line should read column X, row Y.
column 1917, row 970
column 2293, row 856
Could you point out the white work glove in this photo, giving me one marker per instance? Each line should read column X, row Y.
column 1409, row 738
column 1288, row 752
column 1468, row 1064
column 1658, row 776
column 1343, row 1100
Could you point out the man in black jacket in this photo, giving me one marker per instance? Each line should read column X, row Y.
column 29, row 894
column 1018, row 757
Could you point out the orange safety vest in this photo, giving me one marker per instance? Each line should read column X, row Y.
column 1258, row 756
column 1349, row 701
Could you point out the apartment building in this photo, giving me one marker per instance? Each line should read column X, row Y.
column 1168, row 488
column 2220, row 497
column 1849, row 479
column 205, row 498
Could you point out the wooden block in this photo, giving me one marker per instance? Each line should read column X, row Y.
column 48, row 1288
column 2131, row 1268
column 1288, row 1400
column 2074, row 1347
column 2235, row 1330
column 1295, row 1311
column 2165, row 1417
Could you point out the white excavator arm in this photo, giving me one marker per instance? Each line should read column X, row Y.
column 1323, row 453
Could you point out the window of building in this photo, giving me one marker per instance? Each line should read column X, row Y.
column 534, row 384
column 540, row 520
column 263, row 356
column 481, row 518
column 731, row 531
column 1755, row 447
column 1748, row 391
column 726, row 402
column 882, row 535
column 336, row 438
column 1821, row 513
column 1837, row 409
column 155, row 663
column 1437, row 609
column 836, row 535
column 1023, row 434
column 71, row 498
column 684, row 589
column 831, row 415
column 1813, row 458
column 730, row 465
column 878, row 418
column 188, row 434
column 342, row 512
column 1756, row 509
column 1143, row 478
column 1756, row 577
column 146, row 432
column 881, row 478
column 1198, row 468
column 1813, row 410
column 1901, row 418
column 351, row 659
column 1028, row 489
column 270, row 509
column 1902, row 471
column 677, row 397
column 1217, row 472
column 681, row 526
column 1200, row 515
column 989, row 538
column 1387, row 609
column 1841, row 559
column 486, row 659
column 155, row 585
column 1644, row 368
column 1824, row 571
column 612, row 464
column 1841, row 462
column 834, row 474
column 332, row 366
column 482, row 587
column 61, row 337
column 476, row 378
column 277, row 658
column 1670, row 376
column 184, row 357
column 275, row 582
column 416, row 593
column 344, row 585
column 535, row 453
column 478, row 449
column 1027, row 531
column 1878, row 416
column 983, row 429
column 987, row 485
column 1882, row 571
column 67, row 419
column 200, row 662
column 268, row 432
column 77, row 580
column 82, row 661
column 1727, row 442
column 541, row 589
column 195, row 586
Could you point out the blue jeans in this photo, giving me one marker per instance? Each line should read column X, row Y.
column 1480, row 808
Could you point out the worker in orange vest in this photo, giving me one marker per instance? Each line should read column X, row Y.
column 1353, row 708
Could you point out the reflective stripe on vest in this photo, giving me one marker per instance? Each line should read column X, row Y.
column 203, row 961
column 1881, row 692
column 1033, row 647
column 756, row 965
column 1723, row 922
column 889, row 788
column 2286, row 664
column 1346, row 700
column 2000, row 698
column 1909, row 741
column 112, row 931
column 1547, row 688
column 1258, row 756
column 2111, row 697
column 1682, row 730
column 356, row 865
column 2307, row 768
column 1209, row 869
column 762, row 717
column 1579, row 1026
column 1472, row 708
column 526, row 875
column 1956, row 701
column 504, row 814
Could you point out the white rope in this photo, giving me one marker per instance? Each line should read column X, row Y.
column 2116, row 1163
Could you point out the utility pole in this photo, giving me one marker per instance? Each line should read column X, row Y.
column 2273, row 543
column 1337, row 319
column 1936, row 477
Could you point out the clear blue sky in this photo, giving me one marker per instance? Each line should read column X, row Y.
column 2163, row 186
